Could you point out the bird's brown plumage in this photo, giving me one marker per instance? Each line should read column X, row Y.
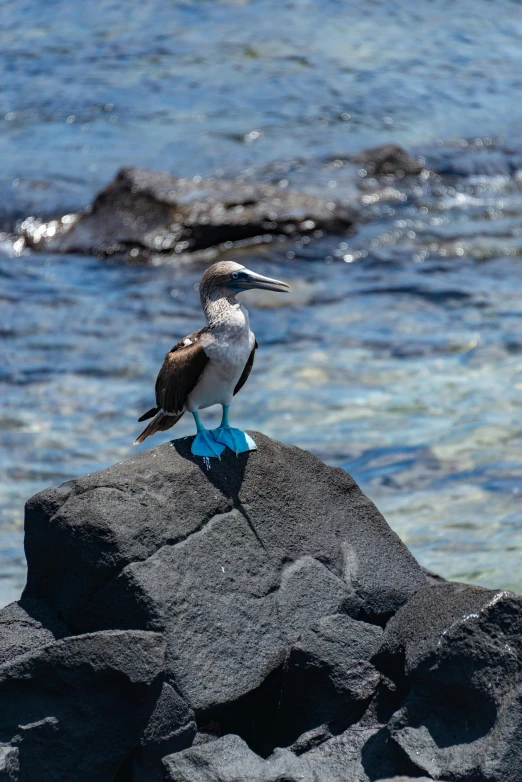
column 181, row 370
column 247, row 370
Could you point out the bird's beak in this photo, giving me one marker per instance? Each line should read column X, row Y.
column 247, row 280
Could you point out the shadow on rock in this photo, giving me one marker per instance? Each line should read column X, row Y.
column 226, row 473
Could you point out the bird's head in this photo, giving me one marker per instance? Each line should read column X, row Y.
column 230, row 276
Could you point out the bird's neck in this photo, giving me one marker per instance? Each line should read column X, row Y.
column 224, row 313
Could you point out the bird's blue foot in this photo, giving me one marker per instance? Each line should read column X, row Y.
column 205, row 445
column 235, row 439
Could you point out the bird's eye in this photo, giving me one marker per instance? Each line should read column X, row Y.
column 235, row 275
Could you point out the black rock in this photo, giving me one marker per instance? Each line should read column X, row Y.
column 406, row 779
column 338, row 640
column 74, row 709
column 218, row 560
column 171, row 728
column 157, row 212
column 268, row 578
column 229, row 759
column 27, row 625
column 360, row 754
column 388, row 159
column 328, row 679
column 458, row 648
column 331, row 595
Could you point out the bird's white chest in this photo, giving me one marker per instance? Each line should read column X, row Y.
column 229, row 353
column 228, row 350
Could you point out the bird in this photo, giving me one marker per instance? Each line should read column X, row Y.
column 211, row 365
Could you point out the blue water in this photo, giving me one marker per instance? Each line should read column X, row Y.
column 398, row 354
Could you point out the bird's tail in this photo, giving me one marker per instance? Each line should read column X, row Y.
column 159, row 423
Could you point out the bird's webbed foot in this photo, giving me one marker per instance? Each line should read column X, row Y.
column 235, row 439
column 205, row 445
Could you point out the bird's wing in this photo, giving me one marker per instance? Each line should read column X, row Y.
column 181, row 370
column 247, row 370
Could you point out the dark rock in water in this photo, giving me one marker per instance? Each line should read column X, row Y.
column 212, row 558
column 459, row 648
column 328, row 679
column 171, row 728
column 75, row 709
column 26, row 625
column 160, row 213
column 388, row 159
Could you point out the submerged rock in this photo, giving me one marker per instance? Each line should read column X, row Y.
column 388, row 159
column 156, row 212
column 470, row 161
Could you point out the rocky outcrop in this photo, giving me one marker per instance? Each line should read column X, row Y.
column 329, row 680
column 388, row 159
column 256, row 621
column 143, row 214
column 171, row 728
column 460, row 651
column 151, row 211
column 229, row 759
column 27, row 625
column 405, row 779
column 257, row 528
column 74, row 709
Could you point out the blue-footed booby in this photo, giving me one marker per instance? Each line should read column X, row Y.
column 209, row 366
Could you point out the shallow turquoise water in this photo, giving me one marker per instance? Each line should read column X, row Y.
column 398, row 354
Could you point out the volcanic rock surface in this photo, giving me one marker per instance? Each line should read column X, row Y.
column 26, row 625
column 254, row 622
column 74, row 709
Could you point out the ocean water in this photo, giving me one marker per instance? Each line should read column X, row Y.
column 398, row 353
